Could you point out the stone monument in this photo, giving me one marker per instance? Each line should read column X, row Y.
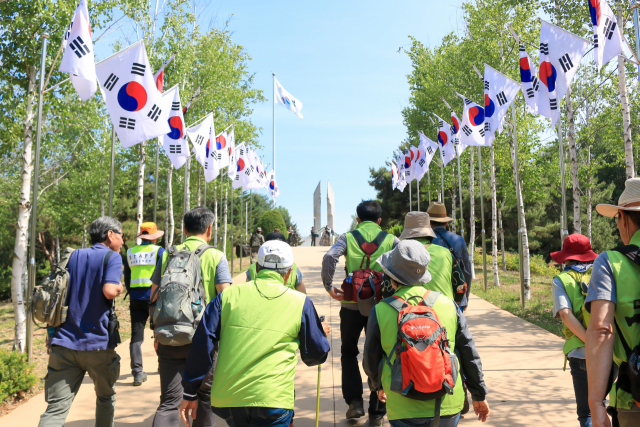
column 330, row 206
column 317, row 205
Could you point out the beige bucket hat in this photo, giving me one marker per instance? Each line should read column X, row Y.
column 417, row 224
column 438, row 212
column 629, row 199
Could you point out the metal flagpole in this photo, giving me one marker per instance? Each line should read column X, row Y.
column 563, row 224
column 113, row 158
column 409, row 196
column 205, row 192
column 519, row 201
column 457, row 146
column 155, row 177
column 442, row 174
column 219, row 216
column 241, row 227
column 635, row 6
column 418, row 188
column 484, row 242
column 185, row 203
column 34, row 203
column 429, row 183
column 274, row 129
column 231, row 223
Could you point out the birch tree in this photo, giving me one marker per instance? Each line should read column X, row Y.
column 573, row 156
column 494, row 220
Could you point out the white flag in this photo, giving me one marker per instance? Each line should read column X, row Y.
column 472, row 130
column 212, row 163
column 231, row 171
column 394, row 174
column 133, row 101
column 200, row 135
column 244, row 168
column 420, row 165
column 274, row 190
column 529, row 80
column 429, row 147
column 402, row 182
column 446, row 140
column 560, row 56
column 159, row 75
column 606, row 32
column 499, row 92
column 231, row 146
column 78, row 59
column 409, row 155
column 455, row 131
column 221, row 152
column 174, row 142
column 282, row 97
column 259, row 175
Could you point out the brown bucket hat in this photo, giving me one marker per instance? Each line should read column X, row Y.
column 417, row 224
column 438, row 212
column 629, row 199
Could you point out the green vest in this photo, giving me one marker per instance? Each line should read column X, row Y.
column 399, row 407
column 258, row 344
column 440, row 266
column 571, row 280
column 291, row 281
column 142, row 261
column 627, row 279
column 354, row 254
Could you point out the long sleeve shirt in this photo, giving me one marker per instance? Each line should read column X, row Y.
column 458, row 248
column 465, row 348
column 314, row 346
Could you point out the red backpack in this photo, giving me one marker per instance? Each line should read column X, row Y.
column 424, row 367
column 365, row 285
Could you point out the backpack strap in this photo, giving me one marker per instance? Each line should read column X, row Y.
column 436, row 417
column 368, row 247
column 395, row 302
column 630, row 251
column 429, row 298
column 202, row 249
column 453, row 254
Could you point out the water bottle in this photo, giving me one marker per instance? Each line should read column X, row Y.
column 350, row 278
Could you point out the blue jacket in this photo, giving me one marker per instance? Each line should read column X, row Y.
column 458, row 248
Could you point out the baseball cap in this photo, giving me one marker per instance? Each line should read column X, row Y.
column 275, row 247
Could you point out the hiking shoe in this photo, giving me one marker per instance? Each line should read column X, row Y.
column 376, row 420
column 138, row 379
column 356, row 409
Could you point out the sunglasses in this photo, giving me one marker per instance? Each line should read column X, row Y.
column 116, row 231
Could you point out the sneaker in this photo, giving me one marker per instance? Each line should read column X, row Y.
column 376, row 420
column 138, row 379
column 356, row 409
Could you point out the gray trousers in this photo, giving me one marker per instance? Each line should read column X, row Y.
column 172, row 362
column 65, row 372
column 139, row 311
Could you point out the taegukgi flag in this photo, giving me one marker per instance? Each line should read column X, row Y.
column 409, row 155
column 499, row 92
column 133, row 101
column 607, row 39
column 402, row 182
column 174, row 142
column 472, row 131
column 259, row 176
column 560, row 56
column 78, row 59
column 446, row 141
column 244, row 168
column 282, row 97
column 529, row 80
column 394, row 174
column 200, row 136
column 429, row 147
column 159, row 75
column 211, row 165
column 274, row 190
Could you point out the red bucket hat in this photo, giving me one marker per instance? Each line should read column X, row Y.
column 576, row 247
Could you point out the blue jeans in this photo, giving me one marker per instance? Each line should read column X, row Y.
column 255, row 416
column 581, row 390
column 446, row 421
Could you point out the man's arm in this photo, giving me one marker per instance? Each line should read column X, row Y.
column 373, row 353
column 222, row 277
column 470, row 361
column 599, row 350
column 112, row 287
column 314, row 346
column 200, row 360
column 330, row 260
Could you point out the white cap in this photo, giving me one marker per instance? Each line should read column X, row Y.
column 279, row 248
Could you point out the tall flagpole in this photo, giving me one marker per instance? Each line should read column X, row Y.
column 155, row 178
column 442, row 173
column 113, row 158
column 418, row 188
column 429, row 183
column 484, row 242
column 274, row 130
column 563, row 208
column 409, row 196
column 457, row 146
column 519, row 201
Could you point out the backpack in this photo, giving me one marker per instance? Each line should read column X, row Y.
column 49, row 299
column 364, row 286
column 458, row 281
column 181, row 298
column 424, row 366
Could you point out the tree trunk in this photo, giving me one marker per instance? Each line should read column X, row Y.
column 224, row 213
column 573, row 155
column 589, row 204
column 472, row 215
column 140, row 190
column 57, row 249
column 525, row 249
column 626, row 114
column 84, row 233
column 22, row 222
column 494, row 221
column 453, row 208
column 171, row 222
column 504, row 264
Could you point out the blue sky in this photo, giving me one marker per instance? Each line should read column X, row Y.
column 341, row 60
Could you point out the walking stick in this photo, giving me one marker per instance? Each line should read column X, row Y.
column 318, row 391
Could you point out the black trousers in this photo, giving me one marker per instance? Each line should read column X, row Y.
column 352, row 323
column 172, row 362
column 139, row 314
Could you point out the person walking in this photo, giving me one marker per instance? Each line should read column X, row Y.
column 439, row 219
column 313, row 236
column 417, row 226
column 82, row 344
column 407, row 266
column 613, row 302
column 142, row 261
column 256, row 240
column 569, row 290
column 293, row 280
column 172, row 360
column 267, row 323
column 352, row 322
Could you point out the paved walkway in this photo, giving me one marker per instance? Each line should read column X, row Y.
column 522, row 365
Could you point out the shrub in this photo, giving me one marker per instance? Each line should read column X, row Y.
column 16, row 376
column 536, row 264
column 271, row 220
column 396, row 229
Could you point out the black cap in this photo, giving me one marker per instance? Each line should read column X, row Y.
column 275, row 236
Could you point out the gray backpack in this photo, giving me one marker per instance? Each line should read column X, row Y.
column 181, row 298
column 49, row 299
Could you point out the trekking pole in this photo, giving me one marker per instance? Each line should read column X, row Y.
column 318, row 391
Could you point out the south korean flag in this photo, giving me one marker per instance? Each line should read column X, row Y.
column 200, row 136
column 260, row 175
column 274, row 190
column 244, row 169
column 78, row 59
column 174, row 142
column 560, row 56
column 499, row 92
column 446, row 141
column 133, row 101
column 212, row 163
column 472, row 130
column 429, row 147
column 529, row 81
column 606, row 32
column 394, row 174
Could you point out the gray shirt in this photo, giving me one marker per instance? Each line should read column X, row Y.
column 561, row 301
column 602, row 285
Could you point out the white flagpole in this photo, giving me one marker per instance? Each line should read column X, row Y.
column 418, row 188
column 155, row 178
column 442, row 173
column 484, row 242
column 429, row 183
column 460, row 189
column 274, row 130
column 113, row 157
column 409, row 196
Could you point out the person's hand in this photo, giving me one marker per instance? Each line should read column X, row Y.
column 185, row 407
column 599, row 417
column 382, row 396
column 326, row 327
column 481, row 408
column 336, row 294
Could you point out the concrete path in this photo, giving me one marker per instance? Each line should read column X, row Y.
column 522, row 366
